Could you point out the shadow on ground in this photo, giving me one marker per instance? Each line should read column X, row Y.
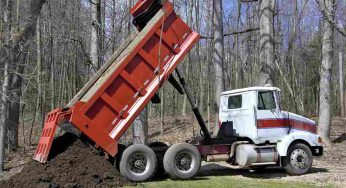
column 214, row 169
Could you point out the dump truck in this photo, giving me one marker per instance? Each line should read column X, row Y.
column 254, row 131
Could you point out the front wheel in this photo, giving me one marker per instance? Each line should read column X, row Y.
column 182, row 161
column 138, row 163
column 298, row 160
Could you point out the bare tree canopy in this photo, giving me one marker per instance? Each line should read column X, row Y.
column 16, row 47
column 330, row 16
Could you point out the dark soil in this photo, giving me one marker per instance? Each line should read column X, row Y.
column 72, row 163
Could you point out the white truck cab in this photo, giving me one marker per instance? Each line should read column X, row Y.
column 254, row 114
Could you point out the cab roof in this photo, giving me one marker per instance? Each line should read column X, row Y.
column 257, row 88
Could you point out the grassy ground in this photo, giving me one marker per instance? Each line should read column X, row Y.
column 223, row 181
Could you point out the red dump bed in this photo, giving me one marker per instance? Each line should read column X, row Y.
column 116, row 97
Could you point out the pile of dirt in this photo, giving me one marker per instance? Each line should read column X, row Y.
column 72, row 163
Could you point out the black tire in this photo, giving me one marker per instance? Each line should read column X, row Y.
column 182, row 161
column 159, row 148
column 157, row 144
column 121, row 149
column 298, row 160
column 138, row 163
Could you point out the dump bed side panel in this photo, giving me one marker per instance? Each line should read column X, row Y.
column 108, row 110
column 112, row 61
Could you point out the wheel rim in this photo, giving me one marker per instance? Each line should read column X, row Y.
column 184, row 161
column 138, row 163
column 300, row 160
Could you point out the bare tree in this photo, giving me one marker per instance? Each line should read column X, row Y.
column 267, row 42
column 39, row 71
column 208, row 54
column 218, row 55
column 4, row 112
column 16, row 53
column 188, row 62
column 329, row 16
column 94, row 40
column 162, row 109
column 325, row 76
column 7, row 14
column 140, row 128
column 341, row 83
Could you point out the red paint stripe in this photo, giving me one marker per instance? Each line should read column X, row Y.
column 279, row 123
column 304, row 127
column 272, row 123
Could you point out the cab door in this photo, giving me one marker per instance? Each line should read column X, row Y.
column 236, row 116
column 271, row 123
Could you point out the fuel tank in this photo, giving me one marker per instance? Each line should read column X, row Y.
column 252, row 155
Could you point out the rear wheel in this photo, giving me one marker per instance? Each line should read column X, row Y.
column 182, row 161
column 138, row 163
column 298, row 160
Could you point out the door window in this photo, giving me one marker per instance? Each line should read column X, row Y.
column 266, row 101
column 234, row 102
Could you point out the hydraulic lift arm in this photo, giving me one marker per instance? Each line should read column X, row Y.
column 195, row 109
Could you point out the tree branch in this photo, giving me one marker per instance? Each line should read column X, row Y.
column 241, row 32
column 85, row 53
column 328, row 16
column 29, row 28
column 97, row 4
column 234, row 33
column 248, row 1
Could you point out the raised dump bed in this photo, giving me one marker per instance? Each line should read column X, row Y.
column 108, row 104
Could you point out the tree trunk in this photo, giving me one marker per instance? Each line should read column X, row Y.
column 341, row 83
column 218, row 56
column 325, row 75
column 140, row 128
column 3, row 6
column 208, row 53
column 199, row 59
column 52, row 64
column 94, row 40
column 102, row 32
column 4, row 121
column 39, row 72
column 188, row 63
column 162, row 110
column 4, row 117
column 129, row 18
column 267, row 42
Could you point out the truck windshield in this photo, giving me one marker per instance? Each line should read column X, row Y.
column 266, row 101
